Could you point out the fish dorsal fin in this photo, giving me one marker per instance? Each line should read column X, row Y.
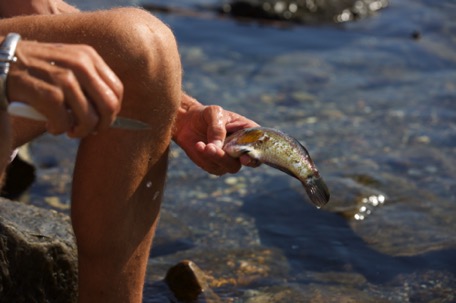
column 308, row 158
column 304, row 148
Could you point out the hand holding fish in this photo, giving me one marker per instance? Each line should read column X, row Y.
column 201, row 130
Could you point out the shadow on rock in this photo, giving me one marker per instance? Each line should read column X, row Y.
column 20, row 175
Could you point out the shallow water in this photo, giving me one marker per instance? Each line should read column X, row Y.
column 376, row 109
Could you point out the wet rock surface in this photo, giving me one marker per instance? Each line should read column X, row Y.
column 354, row 200
column 38, row 260
column 294, row 11
column 189, row 283
column 186, row 281
column 304, row 11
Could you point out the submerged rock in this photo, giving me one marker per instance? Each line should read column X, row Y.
column 189, row 283
column 354, row 199
column 304, row 11
column 297, row 11
column 38, row 259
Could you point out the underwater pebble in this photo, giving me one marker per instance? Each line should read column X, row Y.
column 423, row 139
column 56, row 202
column 231, row 180
column 303, row 97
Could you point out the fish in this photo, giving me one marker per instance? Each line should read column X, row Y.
column 281, row 151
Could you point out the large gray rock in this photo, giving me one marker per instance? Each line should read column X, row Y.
column 38, row 259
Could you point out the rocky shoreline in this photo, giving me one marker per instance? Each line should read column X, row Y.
column 38, row 259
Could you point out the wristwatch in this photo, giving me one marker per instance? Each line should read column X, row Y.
column 7, row 51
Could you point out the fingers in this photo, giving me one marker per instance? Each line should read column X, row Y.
column 56, row 93
column 215, row 160
column 48, row 101
column 82, row 115
column 59, row 79
column 102, row 87
column 218, row 121
column 248, row 161
column 218, row 162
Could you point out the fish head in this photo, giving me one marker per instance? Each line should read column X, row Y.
column 243, row 142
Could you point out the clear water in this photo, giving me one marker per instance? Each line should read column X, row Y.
column 376, row 109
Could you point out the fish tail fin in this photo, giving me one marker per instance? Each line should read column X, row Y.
column 317, row 190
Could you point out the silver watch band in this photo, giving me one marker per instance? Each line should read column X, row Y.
column 7, row 51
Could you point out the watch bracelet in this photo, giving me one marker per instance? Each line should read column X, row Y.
column 7, row 51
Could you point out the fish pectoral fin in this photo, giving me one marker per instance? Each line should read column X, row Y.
column 252, row 153
column 245, row 150
column 239, row 152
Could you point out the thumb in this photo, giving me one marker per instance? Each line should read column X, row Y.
column 216, row 121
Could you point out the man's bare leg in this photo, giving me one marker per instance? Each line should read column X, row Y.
column 119, row 174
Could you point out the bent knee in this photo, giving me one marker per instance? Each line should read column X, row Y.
column 143, row 52
column 140, row 39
